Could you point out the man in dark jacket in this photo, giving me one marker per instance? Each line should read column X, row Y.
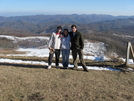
column 77, row 45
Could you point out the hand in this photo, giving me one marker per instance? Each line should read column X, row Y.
column 61, row 35
column 49, row 48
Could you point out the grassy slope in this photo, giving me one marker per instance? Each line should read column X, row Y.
column 19, row 83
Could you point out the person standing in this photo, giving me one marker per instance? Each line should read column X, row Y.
column 65, row 47
column 77, row 45
column 54, row 45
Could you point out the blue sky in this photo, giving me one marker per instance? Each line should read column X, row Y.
column 110, row 7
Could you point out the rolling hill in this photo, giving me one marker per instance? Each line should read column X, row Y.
column 45, row 24
column 62, row 18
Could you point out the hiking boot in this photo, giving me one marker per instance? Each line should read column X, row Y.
column 49, row 67
column 86, row 70
column 75, row 67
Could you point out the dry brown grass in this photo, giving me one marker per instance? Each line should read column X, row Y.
column 10, row 51
column 27, row 58
column 20, row 83
column 130, row 65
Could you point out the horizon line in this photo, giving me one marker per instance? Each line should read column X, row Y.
column 15, row 14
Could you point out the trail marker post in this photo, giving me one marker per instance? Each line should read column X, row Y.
column 129, row 48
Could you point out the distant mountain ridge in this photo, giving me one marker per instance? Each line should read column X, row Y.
column 112, row 24
column 40, row 24
column 62, row 18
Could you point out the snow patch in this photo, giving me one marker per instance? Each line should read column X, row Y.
column 44, row 63
column 95, row 50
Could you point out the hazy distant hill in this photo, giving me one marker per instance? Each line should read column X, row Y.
column 126, row 29
column 14, row 32
column 113, row 24
column 46, row 24
column 62, row 18
column 18, row 25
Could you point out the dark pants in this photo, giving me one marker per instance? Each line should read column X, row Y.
column 57, row 56
column 80, row 53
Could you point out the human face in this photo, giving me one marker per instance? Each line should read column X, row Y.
column 65, row 32
column 74, row 29
column 59, row 30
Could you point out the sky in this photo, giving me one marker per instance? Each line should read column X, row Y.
column 50, row 7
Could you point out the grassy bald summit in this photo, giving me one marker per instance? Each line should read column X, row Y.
column 20, row 83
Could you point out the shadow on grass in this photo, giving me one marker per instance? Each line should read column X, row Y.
column 70, row 68
column 35, row 66
column 24, row 65
column 121, row 67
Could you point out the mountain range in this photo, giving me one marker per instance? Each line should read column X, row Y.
column 39, row 24
column 74, row 18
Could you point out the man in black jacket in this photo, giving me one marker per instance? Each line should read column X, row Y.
column 77, row 45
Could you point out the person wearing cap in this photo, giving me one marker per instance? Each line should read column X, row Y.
column 77, row 45
column 54, row 45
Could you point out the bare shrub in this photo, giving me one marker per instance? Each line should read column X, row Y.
column 32, row 43
column 7, row 44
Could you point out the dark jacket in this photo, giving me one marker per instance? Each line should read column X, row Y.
column 77, row 41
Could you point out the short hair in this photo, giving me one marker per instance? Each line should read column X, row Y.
column 66, row 30
column 73, row 26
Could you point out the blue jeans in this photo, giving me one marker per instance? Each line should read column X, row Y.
column 65, row 57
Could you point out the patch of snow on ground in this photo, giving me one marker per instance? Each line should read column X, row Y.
column 15, row 39
column 34, row 52
column 130, row 61
column 96, row 51
column 45, row 64
column 45, row 53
